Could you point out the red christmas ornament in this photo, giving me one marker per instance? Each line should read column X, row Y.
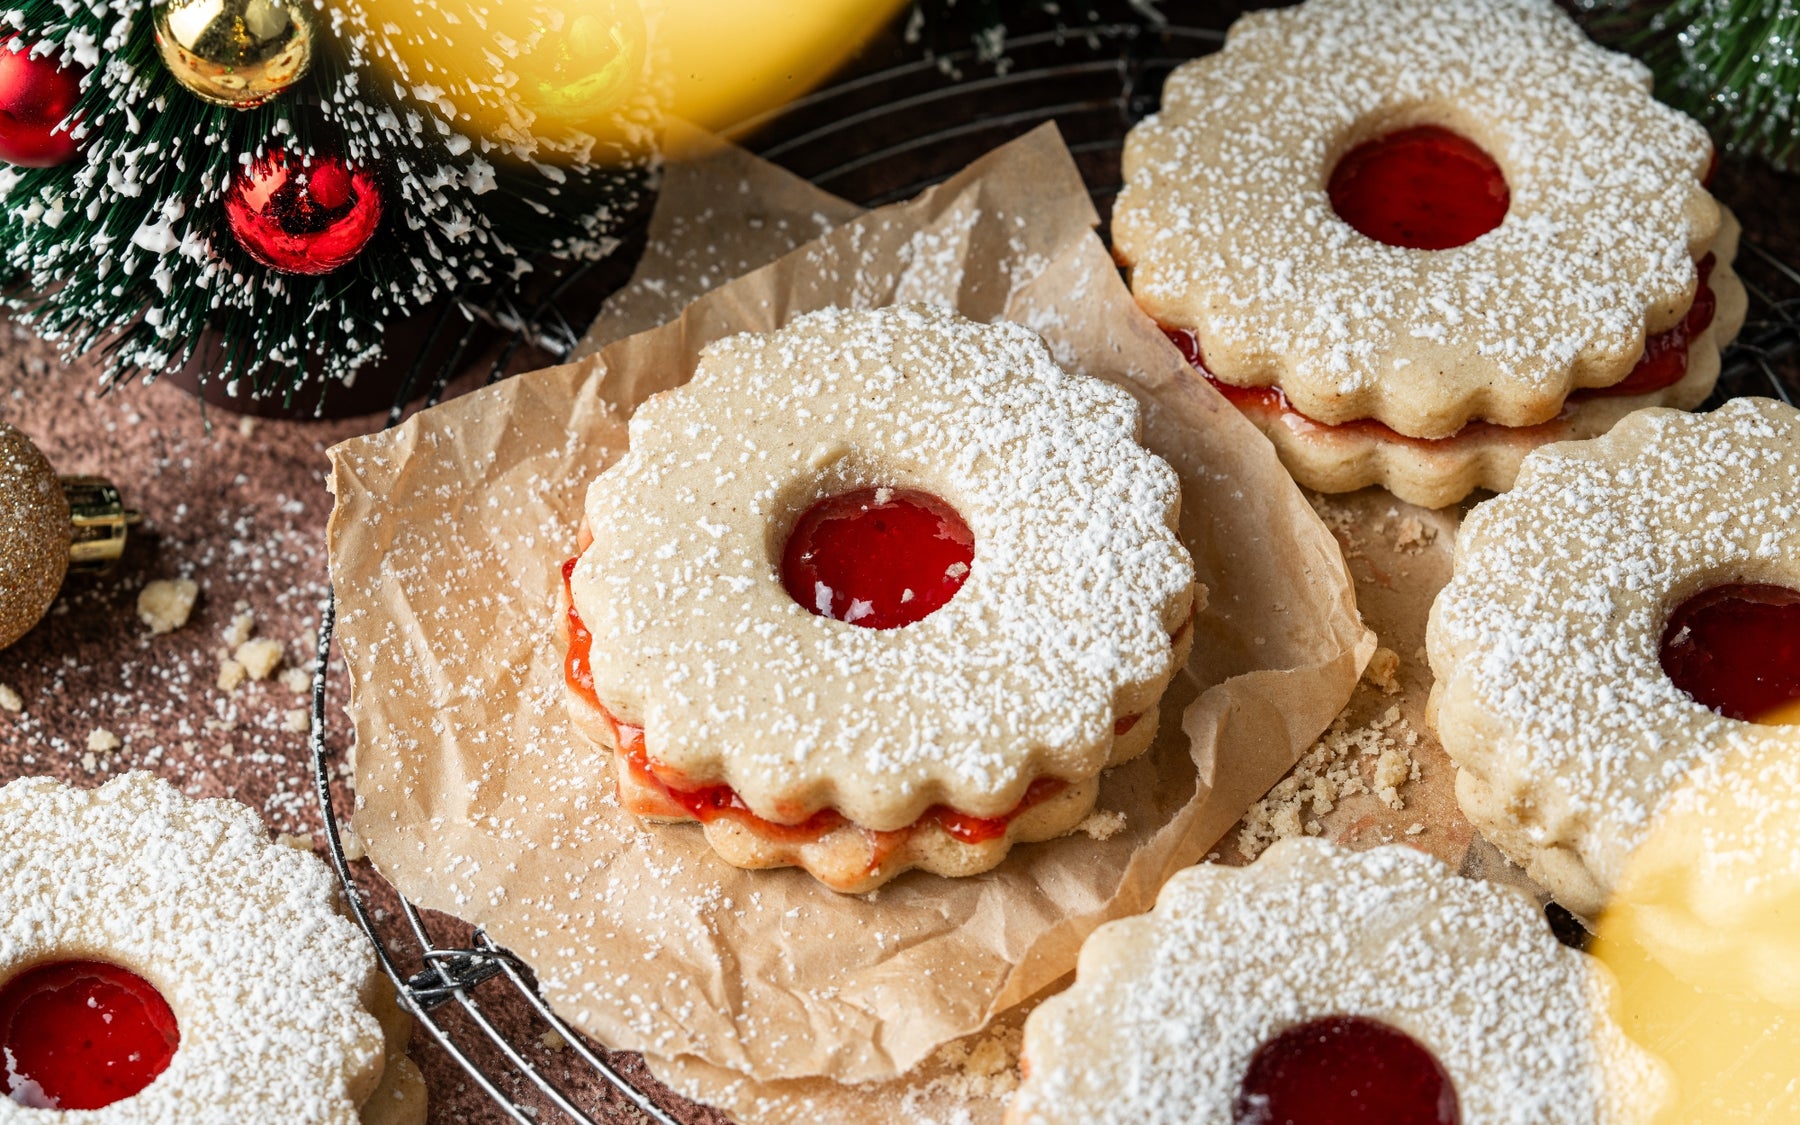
column 36, row 94
column 307, row 217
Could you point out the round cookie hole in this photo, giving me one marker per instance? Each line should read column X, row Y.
column 82, row 1035
column 1345, row 1070
column 877, row 557
column 1736, row 649
column 1424, row 188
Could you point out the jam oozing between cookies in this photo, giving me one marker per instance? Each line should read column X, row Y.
column 710, row 802
column 1663, row 364
column 676, row 796
column 877, row 557
column 82, row 1035
column 1424, row 188
column 1736, row 649
column 706, row 803
column 1345, row 1070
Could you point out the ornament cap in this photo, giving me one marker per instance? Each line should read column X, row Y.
column 237, row 53
column 100, row 521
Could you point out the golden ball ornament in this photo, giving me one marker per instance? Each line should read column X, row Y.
column 36, row 532
column 237, row 53
column 539, row 79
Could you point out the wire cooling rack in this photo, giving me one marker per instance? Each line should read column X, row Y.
column 875, row 139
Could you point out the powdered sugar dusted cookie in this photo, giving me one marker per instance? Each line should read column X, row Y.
column 1620, row 618
column 1414, row 215
column 883, row 589
column 1319, row 975
column 163, row 963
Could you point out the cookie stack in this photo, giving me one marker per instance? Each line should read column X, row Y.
column 1413, row 240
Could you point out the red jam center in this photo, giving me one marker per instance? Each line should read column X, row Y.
column 877, row 557
column 1424, row 188
column 1736, row 649
column 1345, row 1070
column 82, row 1035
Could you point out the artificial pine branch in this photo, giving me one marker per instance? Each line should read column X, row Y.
column 126, row 248
column 1733, row 64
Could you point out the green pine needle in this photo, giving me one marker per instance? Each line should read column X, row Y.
column 1733, row 64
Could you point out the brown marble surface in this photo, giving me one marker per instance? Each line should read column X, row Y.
column 241, row 509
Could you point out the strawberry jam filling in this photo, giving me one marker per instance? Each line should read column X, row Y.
column 1736, row 649
column 877, row 557
column 1424, row 188
column 1663, row 364
column 82, row 1035
column 706, row 802
column 1345, row 1070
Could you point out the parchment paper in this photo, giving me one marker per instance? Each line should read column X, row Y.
column 476, row 798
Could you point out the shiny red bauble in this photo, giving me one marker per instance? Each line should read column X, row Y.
column 37, row 93
column 303, row 215
column 82, row 1035
column 877, row 557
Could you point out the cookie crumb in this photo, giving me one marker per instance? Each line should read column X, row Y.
column 1383, row 670
column 551, row 1041
column 297, row 721
column 10, row 699
column 102, row 741
column 1393, row 768
column 241, row 629
column 987, row 1067
column 231, row 675
column 297, row 680
column 1102, row 825
column 301, row 842
column 1329, row 772
column 166, row 604
column 1412, row 535
column 260, row 657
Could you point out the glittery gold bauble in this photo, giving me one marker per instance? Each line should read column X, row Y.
column 237, row 53
column 35, row 535
column 536, row 78
column 588, row 80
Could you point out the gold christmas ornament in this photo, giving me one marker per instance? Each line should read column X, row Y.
column 35, row 535
column 539, row 79
column 237, row 53
column 591, row 80
column 49, row 526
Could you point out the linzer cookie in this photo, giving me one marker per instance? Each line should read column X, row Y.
column 163, row 963
column 1321, row 984
column 881, row 590
column 1627, row 614
column 1415, row 239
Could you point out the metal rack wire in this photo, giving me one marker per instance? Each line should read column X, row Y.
column 878, row 138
